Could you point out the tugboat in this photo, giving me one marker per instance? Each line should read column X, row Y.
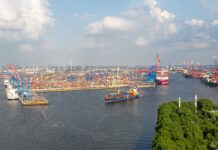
column 122, row 96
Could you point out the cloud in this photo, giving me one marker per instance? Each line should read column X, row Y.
column 215, row 23
column 132, row 12
column 195, row 22
column 141, row 41
column 161, row 15
column 192, row 44
column 153, row 22
column 199, row 22
column 153, row 30
column 84, row 16
column 151, row 3
column 172, row 28
column 24, row 19
column 210, row 6
column 200, row 45
column 26, row 48
column 135, row 28
column 161, row 23
column 95, row 43
column 157, row 13
column 111, row 23
column 47, row 45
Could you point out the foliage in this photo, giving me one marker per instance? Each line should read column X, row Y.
column 182, row 128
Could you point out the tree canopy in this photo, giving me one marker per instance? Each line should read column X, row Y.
column 182, row 128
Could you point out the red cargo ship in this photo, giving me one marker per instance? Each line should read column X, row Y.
column 162, row 75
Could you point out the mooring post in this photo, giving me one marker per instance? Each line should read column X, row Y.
column 196, row 103
column 179, row 102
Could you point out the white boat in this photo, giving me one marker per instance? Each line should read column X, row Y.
column 6, row 82
column 11, row 92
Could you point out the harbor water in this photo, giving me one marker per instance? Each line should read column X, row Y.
column 82, row 120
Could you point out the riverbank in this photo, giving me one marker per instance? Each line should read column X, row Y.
column 183, row 128
column 144, row 85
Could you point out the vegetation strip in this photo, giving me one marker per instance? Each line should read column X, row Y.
column 182, row 128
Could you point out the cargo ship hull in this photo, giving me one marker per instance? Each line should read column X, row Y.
column 120, row 99
column 162, row 81
column 162, row 77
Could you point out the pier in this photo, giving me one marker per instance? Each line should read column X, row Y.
column 35, row 100
column 19, row 87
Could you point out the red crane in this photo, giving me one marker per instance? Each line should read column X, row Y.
column 14, row 73
column 157, row 63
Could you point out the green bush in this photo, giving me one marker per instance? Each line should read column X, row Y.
column 182, row 128
column 206, row 104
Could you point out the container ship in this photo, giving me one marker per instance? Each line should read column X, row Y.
column 162, row 75
column 122, row 96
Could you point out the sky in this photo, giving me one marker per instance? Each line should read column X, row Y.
column 108, row 32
